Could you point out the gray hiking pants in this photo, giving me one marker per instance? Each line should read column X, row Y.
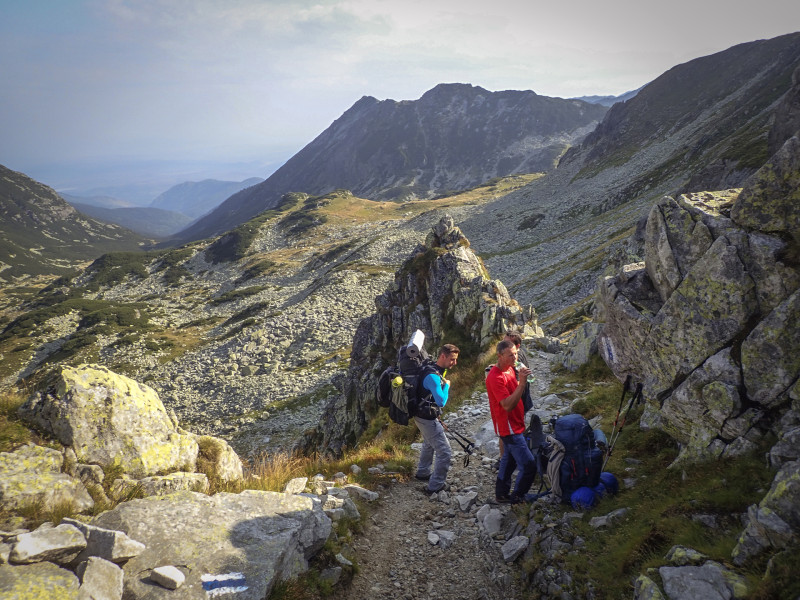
column 434, row 442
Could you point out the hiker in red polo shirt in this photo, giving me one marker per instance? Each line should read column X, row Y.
column 508, row 416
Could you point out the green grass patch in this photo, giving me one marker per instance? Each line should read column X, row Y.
column 13, row 433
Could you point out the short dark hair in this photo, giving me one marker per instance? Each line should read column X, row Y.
column 514, row 336
column 504, row 345
column 449, row 349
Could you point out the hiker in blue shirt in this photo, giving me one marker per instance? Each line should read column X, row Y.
column 426, row 416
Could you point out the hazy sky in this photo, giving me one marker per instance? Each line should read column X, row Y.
column 91, row 83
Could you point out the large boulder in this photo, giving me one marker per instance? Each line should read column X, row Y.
column 709, row 324
column 111, row 420
column 31, row 475
column 442, row 289
column 254, row 539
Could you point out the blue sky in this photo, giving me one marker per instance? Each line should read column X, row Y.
column 188, row 89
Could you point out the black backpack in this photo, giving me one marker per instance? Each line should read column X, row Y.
column 405, row 397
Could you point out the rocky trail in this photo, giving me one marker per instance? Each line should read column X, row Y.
column 452, row 545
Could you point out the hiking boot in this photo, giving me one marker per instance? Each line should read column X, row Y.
column 422, row 477
column 424, row 489
column 504, row 499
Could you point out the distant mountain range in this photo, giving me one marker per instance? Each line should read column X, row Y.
column 40, row 234
column 608, row 100
column 454, row 137
column 170, row 212
column 196, row 198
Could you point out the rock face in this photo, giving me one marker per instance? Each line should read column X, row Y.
column 709, row 322
column 442, row 290
column 254, row 539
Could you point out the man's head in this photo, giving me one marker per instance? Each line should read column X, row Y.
column 514, row 337
column 448, row 356
column 506, row 354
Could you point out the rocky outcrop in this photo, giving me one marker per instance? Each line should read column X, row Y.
column 444, row 290
column 206, row 546
column 249, row 541
column 708, row 323
column 113, row 421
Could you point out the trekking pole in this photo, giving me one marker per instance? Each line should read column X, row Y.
column 468, row 449
column 621, row 401
column 616, row 419
column 636, row 396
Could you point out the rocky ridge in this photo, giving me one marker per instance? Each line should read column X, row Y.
column 442, row 290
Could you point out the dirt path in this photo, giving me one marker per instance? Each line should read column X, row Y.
column 417, row 548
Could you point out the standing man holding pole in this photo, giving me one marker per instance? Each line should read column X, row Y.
column 433, row 395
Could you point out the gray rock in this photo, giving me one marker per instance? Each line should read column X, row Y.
column 679, row 556
column 609, row 519
column 770, row 358
column 168, row 576
column 342, row 560
column 446, row 538
column 775, row 522
column 711, row 581
column 40, row 580
column 160, row 485
column 32, row 475
column 217, row 459
column 721, row 291
column 514, row 547
column 492, row 522
column 113, row 546
column 88, row 473
column 466, row 501
column 57, row 544
column 362, row 493
column 645, row 588
column 266, row 536
column 100, row 580
column 5, row 552
column 296, row 485
column 581, row 346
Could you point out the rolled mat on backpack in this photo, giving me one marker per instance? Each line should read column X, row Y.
column 415, row 344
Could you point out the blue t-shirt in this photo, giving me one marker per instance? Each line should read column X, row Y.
column 433, row 383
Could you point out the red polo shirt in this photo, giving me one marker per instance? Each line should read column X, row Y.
column 500, row 385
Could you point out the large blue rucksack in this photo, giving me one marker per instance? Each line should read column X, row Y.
column 571, row 456
column 582, row 460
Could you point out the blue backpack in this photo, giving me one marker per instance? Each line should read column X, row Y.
column 582, row 461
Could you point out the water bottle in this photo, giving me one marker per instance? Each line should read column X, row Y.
column 531, row 377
